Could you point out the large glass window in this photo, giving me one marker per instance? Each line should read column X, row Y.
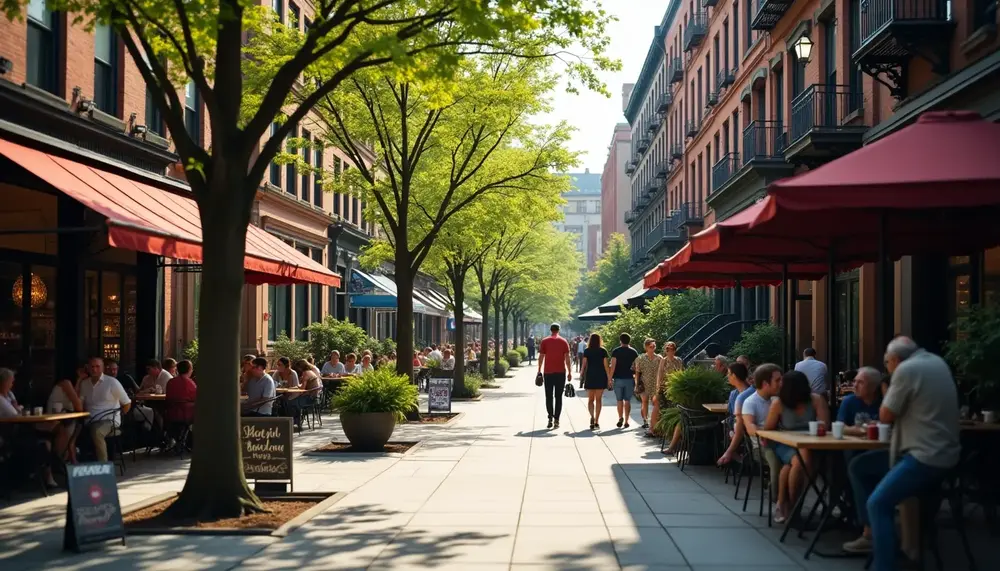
column 291, row 181
column 316, row 293
column 318, row 177
column 279, row 8
column 307, row 159
column 279, row 317
column 192, row 112
column 11, row 315
column 847, row 292
column 106, row 69
column 154, row 118
column 43, row 52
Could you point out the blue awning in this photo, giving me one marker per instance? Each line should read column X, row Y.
column 367, row 291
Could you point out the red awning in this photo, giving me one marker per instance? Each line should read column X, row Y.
column 144, row 218
column 945, row 160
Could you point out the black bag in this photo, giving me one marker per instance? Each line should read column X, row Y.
column 539, row 380
column 570, row 392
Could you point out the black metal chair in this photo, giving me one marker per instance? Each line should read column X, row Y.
column 753, row 461
column 696, row 424
column 113, row 440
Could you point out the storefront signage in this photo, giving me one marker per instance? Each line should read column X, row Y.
column 93, row 513
column 267, row 448
column 438, row 395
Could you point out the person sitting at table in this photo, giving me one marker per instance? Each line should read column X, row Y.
column 10, row 408
column 312, row 366
column 156, row 376
column 309, row 381
column 333, row 366
column 286, row 376
column 754, row 413
column 864, row 471
column 64, row 397
column 416, row 360
column 170, row 366
column 737, row 377
column 246, row 365
column 470, row 354
column 366, row 364
column 448, row 363
column 921, row 403
column 435, row 353
column 106, row 401
column 795, row 407
column 180, row 396
column 260, row 390
column 864, row 403
column 351, row 364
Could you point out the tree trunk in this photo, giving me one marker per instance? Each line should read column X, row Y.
column 404, row 312
column 496, row 336
column 506, row 317
column 484, row 338
column 215, row 487
column 458, row 385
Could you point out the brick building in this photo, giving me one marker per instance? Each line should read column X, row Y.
column 735, row 94
column 616, row 188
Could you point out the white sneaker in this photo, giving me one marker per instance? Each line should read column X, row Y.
column 859, row 545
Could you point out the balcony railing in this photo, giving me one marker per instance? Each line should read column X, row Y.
column 724, row 170
column 726, row 77
column 677, row 151
column 770, row 12
column 822, row 107
column 689, row 213
column 664, row 102
column 675, row 73
column 764, row 140
column 654, row 125
column 643, row 144
column 643, row 200
column 629, row 216
column 712, row 99
column 667, row 229
column 876, row 15
column 692, row 127
column 662, row 170
column 694, row 33
column 630, row 166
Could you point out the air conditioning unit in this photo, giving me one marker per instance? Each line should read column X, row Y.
column 109, row 121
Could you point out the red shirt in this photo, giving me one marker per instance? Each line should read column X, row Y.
column 555, row 349
column 181, row 392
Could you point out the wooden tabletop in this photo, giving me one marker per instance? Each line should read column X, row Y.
column 802, row 440
column 52, row 417
column 717, row 408
column 150, row 397
column 290, row 391
column 978, row 426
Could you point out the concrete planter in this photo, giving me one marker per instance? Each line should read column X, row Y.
column 368, row 431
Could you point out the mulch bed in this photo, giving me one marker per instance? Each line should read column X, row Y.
column 442, row 418
column 346, row 448
column 489, row 386
column 280, row 511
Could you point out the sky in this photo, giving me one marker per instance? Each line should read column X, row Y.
column 593, row 115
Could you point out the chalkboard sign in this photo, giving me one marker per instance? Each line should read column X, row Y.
column 93, row 513
column 438, row 395
column 267, row 448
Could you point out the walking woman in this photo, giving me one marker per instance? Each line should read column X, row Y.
column 597, row 377
column 647, row 366
column 670, row 364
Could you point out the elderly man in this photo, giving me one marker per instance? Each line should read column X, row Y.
column 721, row 364
column 865, row 401
column 106, row 401
column 448, row 363
column 815, row 371
column 922, row 405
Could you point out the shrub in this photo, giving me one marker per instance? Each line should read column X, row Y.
column 501, row 368
column 696, row 386
column 668, row 420
column 513, row 358
column 667, row 313
column 974, row 354
column 523, row 352
column 190, row 352
column 432, row 363
column 331, row 334
column 631, row 321
column 762, row 344
column 472, row 384
column 285, row 347
column 381, row 390
column 384, row 347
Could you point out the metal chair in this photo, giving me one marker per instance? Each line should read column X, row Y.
column 113, row 440
column 693, row 424
column 753, row 461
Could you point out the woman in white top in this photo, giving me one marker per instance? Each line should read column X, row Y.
column 366, row 364
column 286, row 374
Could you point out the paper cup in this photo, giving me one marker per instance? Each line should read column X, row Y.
column 813, row 427
column 989, row 417
column 57, row 407
column 883, row 432
column 38, row 411
column 838, row 430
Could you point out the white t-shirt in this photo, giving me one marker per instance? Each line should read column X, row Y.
column 331, row 369
column 581, row 347
column 7, row 406
column 448, row 364
column 815, row 371
column 436, row 355
column 148, row 382
column 106, row 396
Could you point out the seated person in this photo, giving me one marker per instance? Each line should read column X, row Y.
column 795, row 407
column 246, row 365
column 34, row 443
column 312, row 365
column 106, row 401
column 351, row 364
column 448, row 363
column 366, row 363
column 170, row 366
column 333, row 366
column 156, row 376
column 309, row 381
column 181, row 394
column 260, row 390
column 416, row 360
column 286, row 376
column 64, row 397
column 742, row 390
column 754, row 413
column 864, row 403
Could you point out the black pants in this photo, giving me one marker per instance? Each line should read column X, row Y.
column 554, row 385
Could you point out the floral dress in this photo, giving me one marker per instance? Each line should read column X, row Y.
column 670, row 366
column 647, row 367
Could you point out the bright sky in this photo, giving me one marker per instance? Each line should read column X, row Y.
column 593, row 115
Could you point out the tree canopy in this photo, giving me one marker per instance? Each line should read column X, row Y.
column 609, row 278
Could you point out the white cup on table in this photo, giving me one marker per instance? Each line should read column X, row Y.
column 838, row 430
column 813, row 427
column 884, row 432
column 989, row 416
column 38, row 411
column 57, row 407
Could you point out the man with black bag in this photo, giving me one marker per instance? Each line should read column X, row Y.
column 556, row 369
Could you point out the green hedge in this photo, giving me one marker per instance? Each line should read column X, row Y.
column 504, row 367
column 513, row 358
column 523, row 351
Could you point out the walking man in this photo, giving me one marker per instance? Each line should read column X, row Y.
column 555, row 367
column 581, row 346
column 531, row 348
column 623, row 380
column 815, row 371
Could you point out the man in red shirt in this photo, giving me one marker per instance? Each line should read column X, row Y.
column 554, row 364
column 181, row 392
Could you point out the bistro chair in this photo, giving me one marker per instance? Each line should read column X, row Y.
column 735, row 466
column 696, row 424
column 113, row 440
column 753, row 461
column 256, row 409
column 178, row 418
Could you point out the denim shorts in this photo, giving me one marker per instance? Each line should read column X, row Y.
column 784, row 452
column 624, row 389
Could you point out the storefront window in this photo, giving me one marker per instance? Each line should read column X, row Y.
column 43, row 325
column 278, row 305
column 129, row 352
column 960, row 295
column 847, row 299
column 111, row 316
column 11, row 316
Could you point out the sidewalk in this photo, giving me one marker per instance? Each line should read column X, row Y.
column 494, row 490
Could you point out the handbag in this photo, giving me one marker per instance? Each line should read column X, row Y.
column 569, row 391
column 539, row 380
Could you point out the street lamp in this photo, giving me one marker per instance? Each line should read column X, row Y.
column 803, row 49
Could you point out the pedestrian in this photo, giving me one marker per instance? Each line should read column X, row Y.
column 531, row 348
column 554, row 365
column 581, row 346
column 646, row 368
column 669, row 364
column 814, row 369
column 598, row 377
column 622, row 361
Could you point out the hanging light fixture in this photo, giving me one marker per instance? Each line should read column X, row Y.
column 803, row 49
column 39, row 293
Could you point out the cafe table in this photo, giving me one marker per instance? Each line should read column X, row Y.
column 717, row 408
column 150, row 397
column 50, row 417
column 978, row 426
column 290, row 392
column 831, row 495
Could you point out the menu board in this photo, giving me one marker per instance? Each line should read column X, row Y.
column 93, row 512
column 267, row 448
column 438, row 395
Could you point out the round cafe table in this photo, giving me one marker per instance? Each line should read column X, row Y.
column 50, row 417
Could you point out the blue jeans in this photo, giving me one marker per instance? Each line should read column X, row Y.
column 865, row 471
column 906, row 479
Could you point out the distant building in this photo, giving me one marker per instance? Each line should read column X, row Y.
column 583, row 214
column 616, row 187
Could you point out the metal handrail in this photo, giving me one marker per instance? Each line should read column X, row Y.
column 877, row 15
column 822, row 106
column 724, row 170
column 764, row 140
column 726, row 336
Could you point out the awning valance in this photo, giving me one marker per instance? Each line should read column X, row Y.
column 137, row 219
column 367, row 291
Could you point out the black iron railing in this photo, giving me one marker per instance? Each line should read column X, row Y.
column 724, row 170
column 652, row 187
column 663, row 169
column 725, row 78
column 689, row 212
column 643, row 143
column 692, row 128
column 629, row 216
column 712, row 99
column 694, row 33
column 764, row 140
column 876, row 15
column 630, row 166
column 665, row 101
column 822, row 107
column 676, row 70
column 677, row 151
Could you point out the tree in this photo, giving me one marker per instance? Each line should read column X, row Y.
column 249, row 70
column 609, row 278
column 440, row 153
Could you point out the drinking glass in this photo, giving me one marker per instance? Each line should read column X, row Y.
column 861, row 419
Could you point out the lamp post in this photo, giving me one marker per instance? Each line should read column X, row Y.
column 803, row 49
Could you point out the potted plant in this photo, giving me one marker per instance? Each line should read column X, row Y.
column 974, row 354
column 692, row 388
column 370, row 406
